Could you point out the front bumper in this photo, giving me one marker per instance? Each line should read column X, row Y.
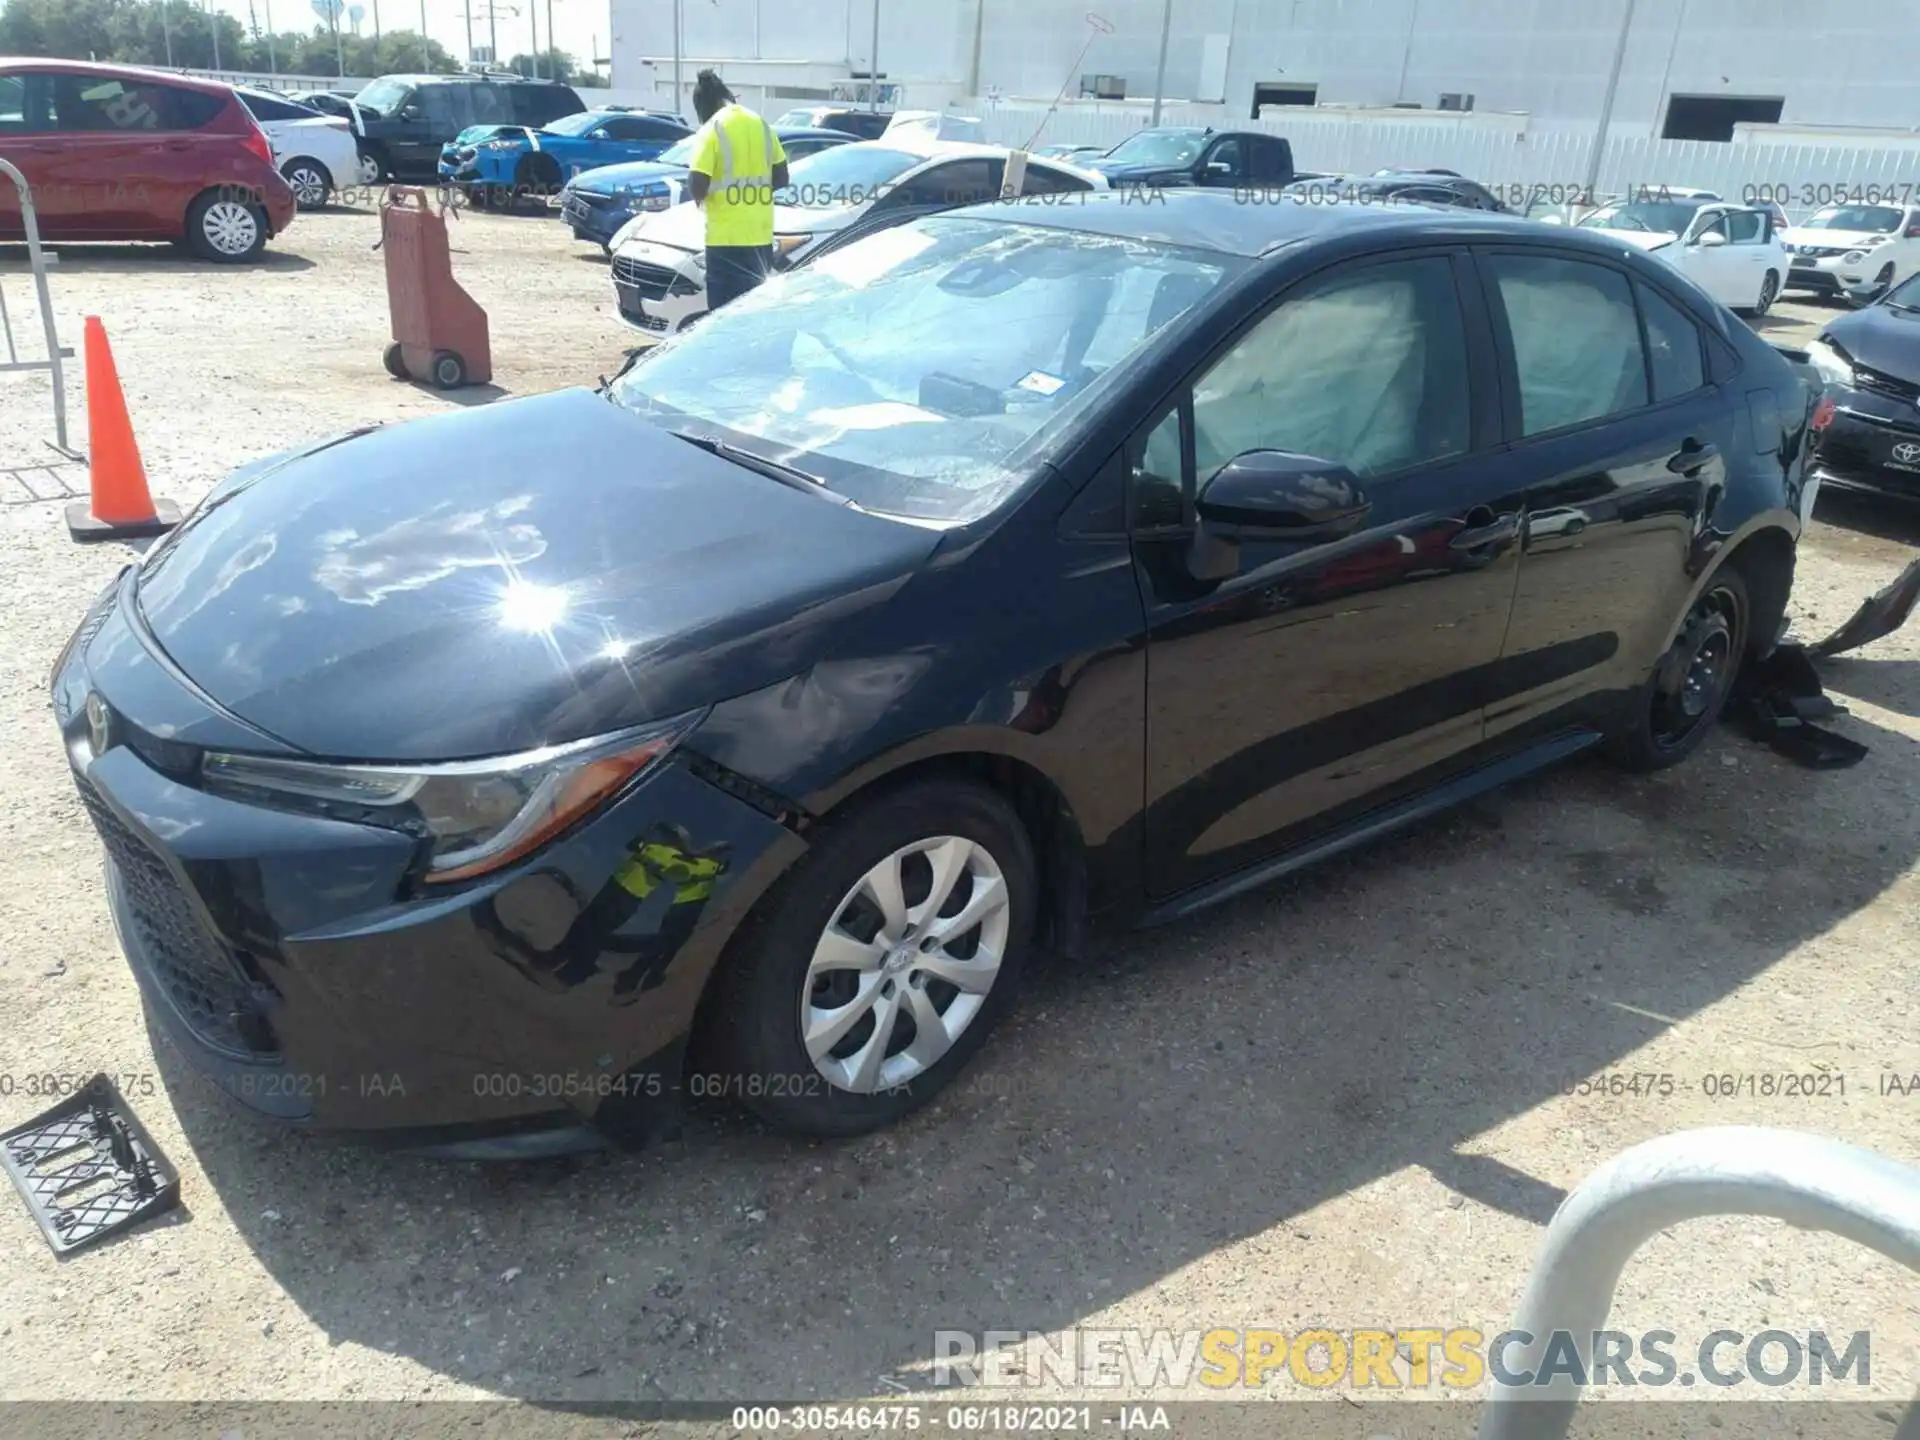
column 1831, row 275
column 303, row 974
column 1872, row 444
column 659, row 290
column 597, row 218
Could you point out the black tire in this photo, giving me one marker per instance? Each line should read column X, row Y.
column 1769, row 292
column 766, row 978
column 395, row 360
column 312, row 185
column 1673, row 711
column 449, row 371
column 218, row 227
column 535, row 178
column 373, row 167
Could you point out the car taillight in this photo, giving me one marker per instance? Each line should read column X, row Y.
column 256, row 144
column 1823, row 413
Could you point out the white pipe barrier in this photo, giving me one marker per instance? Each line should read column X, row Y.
column 1806, row 1180
column 37, row 262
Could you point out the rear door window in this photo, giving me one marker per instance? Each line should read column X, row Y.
column 1045, row 180
column 90, row 103
column 959, row 182
column 542, row 104
column 1576, row 339
column 1267, row 161
column 266, row 108
column 1746, row 227
column 449, row 107
column 493, row 105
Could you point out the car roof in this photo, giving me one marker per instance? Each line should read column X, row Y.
column 1201, row 219
column 40, row 63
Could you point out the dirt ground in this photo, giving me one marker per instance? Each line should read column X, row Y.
column 1334, row 1103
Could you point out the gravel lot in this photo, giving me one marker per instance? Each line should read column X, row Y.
column 1336, row 1102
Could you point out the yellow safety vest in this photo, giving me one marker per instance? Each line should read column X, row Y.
column 737, row 153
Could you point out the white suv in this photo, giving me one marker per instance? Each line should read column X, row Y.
column 1857, row 252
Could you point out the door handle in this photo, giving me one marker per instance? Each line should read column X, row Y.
column 1693, row 457
column 1484, row 528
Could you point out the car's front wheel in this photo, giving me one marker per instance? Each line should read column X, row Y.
column 1673, row 711
column 877, row 968
column 370, row 171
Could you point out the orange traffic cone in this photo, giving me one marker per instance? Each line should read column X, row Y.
column 120, row 507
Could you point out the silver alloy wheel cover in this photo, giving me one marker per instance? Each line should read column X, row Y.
column 230, row 227
column 369, row 170
column 892, row 968
column 308, row 187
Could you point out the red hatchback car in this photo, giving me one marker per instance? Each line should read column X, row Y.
column 114, row 153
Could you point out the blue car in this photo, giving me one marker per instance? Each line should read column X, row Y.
column 515, row 162
column 598, row 202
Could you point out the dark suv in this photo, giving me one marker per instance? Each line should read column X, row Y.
column 847, row 119
column 1193, row 155
column 405, row 120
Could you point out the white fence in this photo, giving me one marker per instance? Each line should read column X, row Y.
column 1513, row 157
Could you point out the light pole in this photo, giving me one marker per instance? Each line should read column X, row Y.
column 213, row 24
column 1160, row 75
column 533, row 19
column 426, row 51
column 873, row 63
column 273, row 60
column 676, row 60
column 166, row 29
column 553, row 63
column 1606, row 105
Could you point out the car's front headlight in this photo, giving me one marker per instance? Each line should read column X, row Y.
column 1829, row 364
column 649, row 200
column 501, row 145
column 479, row 815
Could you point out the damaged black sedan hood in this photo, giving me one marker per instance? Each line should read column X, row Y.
column 497, row 579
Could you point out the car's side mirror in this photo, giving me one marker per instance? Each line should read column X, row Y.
column 1272, row 495
column 1710, row 238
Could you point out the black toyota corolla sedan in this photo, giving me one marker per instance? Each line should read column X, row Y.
column 493, row 781
column 1870, row 361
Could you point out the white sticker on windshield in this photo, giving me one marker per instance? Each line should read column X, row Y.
column 1041, row 383
column 865, row 261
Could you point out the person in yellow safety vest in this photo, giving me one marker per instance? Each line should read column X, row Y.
column 737, row 165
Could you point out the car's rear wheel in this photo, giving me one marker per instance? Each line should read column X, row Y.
column 371, row 169
column 1673, row 711
column 1769, row 292
column 226, row 226
column 878, row 967
column 312, row 186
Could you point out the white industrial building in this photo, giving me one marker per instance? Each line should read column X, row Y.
column 1692, row 69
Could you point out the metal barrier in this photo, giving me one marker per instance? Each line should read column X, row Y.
column 1806, row 1180
column 38, row 261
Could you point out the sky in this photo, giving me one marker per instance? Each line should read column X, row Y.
column 582, row 24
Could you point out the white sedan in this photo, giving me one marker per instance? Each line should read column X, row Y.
column 1733, row 252
column 316, row 153
column 1858, row 252
column 659, row 258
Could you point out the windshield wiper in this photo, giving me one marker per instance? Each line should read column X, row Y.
column 788, row 475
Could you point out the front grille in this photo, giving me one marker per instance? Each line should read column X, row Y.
column 1821, row 252
column 1881, row 383
column 199, row 974
column 654, row 282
